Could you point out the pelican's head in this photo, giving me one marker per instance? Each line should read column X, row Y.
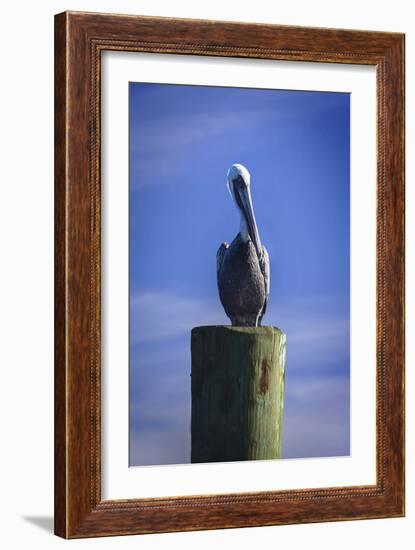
column 239, row 180
column 238, row 172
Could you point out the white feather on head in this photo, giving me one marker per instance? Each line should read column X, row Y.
column 234, row 171
column 239, row 170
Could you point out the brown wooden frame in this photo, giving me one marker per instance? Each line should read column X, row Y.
column 79, row 40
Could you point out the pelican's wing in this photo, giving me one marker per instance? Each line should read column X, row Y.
column 265, row 269
column 219, row 256
column 264, row 264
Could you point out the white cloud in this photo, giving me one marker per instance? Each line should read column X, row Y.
column 316, row 418
column 316, row 415
column 183, row 131
column 161, row 315
column 165, row 144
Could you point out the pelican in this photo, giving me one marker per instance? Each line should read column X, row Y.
column 243, row 266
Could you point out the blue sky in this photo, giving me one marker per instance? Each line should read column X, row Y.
column 295, row 144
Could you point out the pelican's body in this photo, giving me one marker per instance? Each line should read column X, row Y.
column 243, row 266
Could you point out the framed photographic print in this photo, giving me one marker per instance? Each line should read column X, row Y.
column 229, row 275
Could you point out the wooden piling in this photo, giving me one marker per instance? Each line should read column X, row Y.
column 237, row 393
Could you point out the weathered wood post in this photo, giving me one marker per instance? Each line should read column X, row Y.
column 237, row 393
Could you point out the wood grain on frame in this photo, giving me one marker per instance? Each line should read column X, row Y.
column 79, row 40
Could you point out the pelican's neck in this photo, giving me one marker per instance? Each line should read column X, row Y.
column 243, row 229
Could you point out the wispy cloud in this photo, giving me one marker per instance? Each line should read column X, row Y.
column 170, row 445
column 200, row 126
column 162, row 152
column 160, row 402
column 161, row 315
column 161, row 143
column 316, row 418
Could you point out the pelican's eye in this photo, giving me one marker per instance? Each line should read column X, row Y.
column 240, row 182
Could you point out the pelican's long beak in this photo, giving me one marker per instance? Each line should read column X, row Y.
column 248, row 213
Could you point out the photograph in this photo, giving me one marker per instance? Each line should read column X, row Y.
column 239, row 274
